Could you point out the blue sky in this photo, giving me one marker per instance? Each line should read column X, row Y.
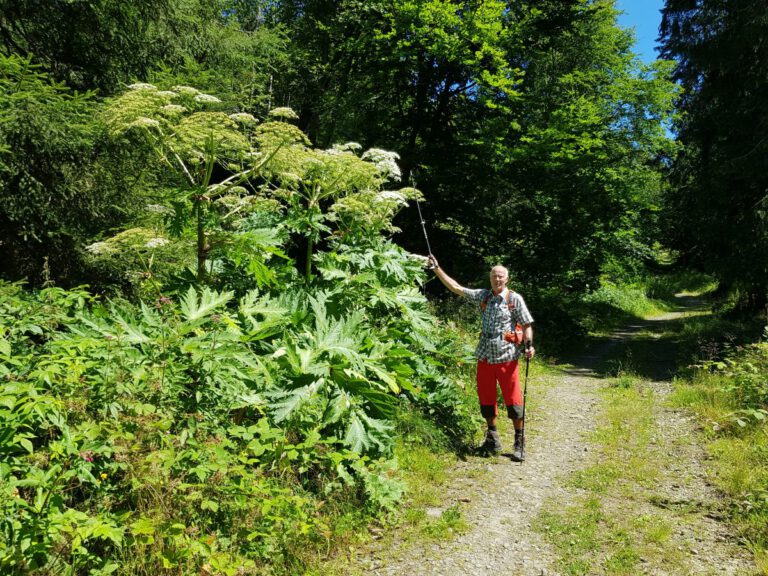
column 644, row 17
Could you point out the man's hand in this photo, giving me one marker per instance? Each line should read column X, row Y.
column 447, row 281
column 530, row 351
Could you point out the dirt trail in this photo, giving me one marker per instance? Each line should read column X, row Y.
column 506, row 497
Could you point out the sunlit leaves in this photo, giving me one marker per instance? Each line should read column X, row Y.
column 194, row 306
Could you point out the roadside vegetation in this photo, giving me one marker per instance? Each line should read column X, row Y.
column 234, row 412
column 729, row 393
column 608, row 525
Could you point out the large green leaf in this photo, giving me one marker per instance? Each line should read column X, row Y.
column 194, row 308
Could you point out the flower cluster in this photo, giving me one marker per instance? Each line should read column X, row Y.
column 163, row 301
column 207, row 99
column 244, row 118
column 385, row 162
column 156, row 242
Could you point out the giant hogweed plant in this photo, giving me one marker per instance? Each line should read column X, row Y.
column 165, row 433
column 203, row 159
column 136, row 437
column 303, row 382
column 330, row 194
column 219, row 170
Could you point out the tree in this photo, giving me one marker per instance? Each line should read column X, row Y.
column 88, row 45
column 536, row 110
column 59, row 183
column 583, row 172
column 718, row 208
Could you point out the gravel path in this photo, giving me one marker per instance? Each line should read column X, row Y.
column 500, row 499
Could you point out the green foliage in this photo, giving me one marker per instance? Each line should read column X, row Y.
column 52, row 182
column 224, row 48
column 730, row 394
column 740, row 376
column 177, row 132
column 88, row 44
column 718, row 178
column 611, row 305
column 141, row 438
column 100, row 45
column 127, row 410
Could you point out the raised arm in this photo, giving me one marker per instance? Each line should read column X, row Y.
column 449, row 282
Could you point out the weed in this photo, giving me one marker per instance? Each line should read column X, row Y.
column 450, row 523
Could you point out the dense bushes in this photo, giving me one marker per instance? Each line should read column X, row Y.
column 200, row 430
column 204, row 426
column 730, row 393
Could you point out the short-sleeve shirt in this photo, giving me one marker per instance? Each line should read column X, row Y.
column 499, row 317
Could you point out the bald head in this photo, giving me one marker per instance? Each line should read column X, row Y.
column 499, row 277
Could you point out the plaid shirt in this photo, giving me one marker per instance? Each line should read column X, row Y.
column 498, row 319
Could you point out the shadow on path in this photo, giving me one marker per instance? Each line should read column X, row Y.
column 648, row 348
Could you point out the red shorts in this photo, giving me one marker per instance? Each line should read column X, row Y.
column 508, row 377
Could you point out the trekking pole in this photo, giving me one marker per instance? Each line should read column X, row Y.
column 424, row 229
column 525, row 393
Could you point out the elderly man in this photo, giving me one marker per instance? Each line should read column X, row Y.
column 498, row 351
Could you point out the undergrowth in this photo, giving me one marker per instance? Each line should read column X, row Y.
column 138, row 439
column 729, row 392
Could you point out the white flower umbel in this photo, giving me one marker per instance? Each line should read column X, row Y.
column 207, row 99
column 144, row 122
column 173, row 109
column 98, row 248
column 350, row 147
column 283, row 113
column 390, row 196
column 186, row 90
column 385, row 161
column 167, row 93
column 142, row 86
column 244, row 118
column 158, row 209
column 156, row 242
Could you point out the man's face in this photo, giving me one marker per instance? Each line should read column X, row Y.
column 499, row 279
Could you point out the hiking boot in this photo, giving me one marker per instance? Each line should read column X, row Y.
column 492, row 442
column 518, row 452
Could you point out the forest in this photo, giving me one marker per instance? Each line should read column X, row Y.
column 218, row 337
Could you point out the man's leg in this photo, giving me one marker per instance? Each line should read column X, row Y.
column 486, row 393
column 509, row 379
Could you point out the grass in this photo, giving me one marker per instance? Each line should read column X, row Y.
column 614, row 305
column 724, row 394
column 425, row 458
column 613, row 524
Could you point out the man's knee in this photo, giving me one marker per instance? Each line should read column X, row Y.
column 515, row 412
column 487, row 410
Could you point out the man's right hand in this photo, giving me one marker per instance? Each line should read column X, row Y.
column 432, row 263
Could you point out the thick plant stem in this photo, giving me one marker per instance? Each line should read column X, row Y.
column 202, row 247
column 308, row 271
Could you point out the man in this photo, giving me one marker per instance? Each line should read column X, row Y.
column 497, row 356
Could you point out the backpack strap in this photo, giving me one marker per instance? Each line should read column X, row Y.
column 510, row 304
